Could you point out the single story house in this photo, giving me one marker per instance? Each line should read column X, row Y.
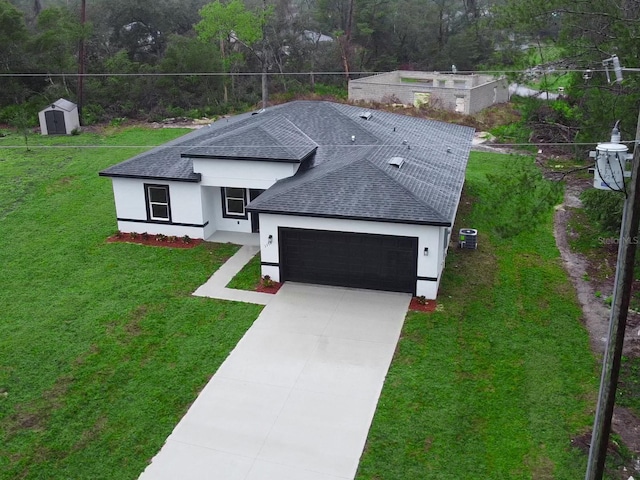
column 466, row 94
column 339, row 196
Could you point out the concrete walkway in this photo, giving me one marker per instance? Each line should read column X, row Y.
column 295, row 399
column 216, row 286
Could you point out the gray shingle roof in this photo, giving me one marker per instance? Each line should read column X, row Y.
column 376, row 196
column 348, row 176
column 354, row 179
column 165, row 162
column 160, row 163
column 270, row 138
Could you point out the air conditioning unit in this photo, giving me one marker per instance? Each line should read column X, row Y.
column 468, row 238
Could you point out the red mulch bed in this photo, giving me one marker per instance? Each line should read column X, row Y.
column 153, row 241
column 270, row 289
column 416, row 306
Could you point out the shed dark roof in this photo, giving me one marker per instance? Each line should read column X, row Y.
column 345, row 169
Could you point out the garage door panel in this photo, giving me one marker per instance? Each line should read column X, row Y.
column 349, row 259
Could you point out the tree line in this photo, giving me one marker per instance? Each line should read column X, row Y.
column 166, row 47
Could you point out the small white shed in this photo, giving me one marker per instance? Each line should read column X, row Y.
column 59, row 118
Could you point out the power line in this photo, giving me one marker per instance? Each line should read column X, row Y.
column 413, row 145
column 341, row 73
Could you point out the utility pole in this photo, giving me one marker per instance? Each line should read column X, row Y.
column 81, row 57
column 265, row 57
column 617, row 322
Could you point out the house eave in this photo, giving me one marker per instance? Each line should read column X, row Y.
column 149, row 177
column 354, row 217
column 256, row 159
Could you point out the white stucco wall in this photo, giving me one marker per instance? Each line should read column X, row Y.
column 242, row 173
column 209, row 195
column 185, row 201
column 444, row 244
column 428, row 237
column 226, row 224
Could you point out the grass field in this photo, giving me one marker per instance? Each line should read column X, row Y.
column 496, row 384
column 102, row 348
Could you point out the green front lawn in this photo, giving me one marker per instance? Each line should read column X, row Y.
column 496, row 384
column 248, row 278
column 102, row 348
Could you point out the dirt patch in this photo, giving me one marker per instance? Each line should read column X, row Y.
column 627, row 425
column 35, row 415
column 618, row 465
column 585, row 276
column 595, row 313
column 587, row 283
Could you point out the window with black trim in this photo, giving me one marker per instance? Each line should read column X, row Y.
column 234, row 201
column 158, row 205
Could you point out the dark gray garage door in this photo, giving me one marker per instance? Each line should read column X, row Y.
column 380, row 262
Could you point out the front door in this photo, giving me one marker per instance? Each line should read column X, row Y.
column 255, row 221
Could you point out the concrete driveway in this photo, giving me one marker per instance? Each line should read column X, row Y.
column 295, row 399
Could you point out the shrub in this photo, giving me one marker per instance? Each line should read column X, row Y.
column 322, row 90
column 26, row 112
column 267, row 282
column 604, row 208
column 515, row 132
column 518, row 198
column 186, row 239
column 118, row 121
column 92, row 114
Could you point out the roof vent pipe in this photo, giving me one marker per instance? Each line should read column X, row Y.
column 353, row 138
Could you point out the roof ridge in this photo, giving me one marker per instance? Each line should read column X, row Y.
column 234, row 132
column 336, row 107
column 288, row 148
column 321, row 175
column 173, row 143
column 412, row 194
